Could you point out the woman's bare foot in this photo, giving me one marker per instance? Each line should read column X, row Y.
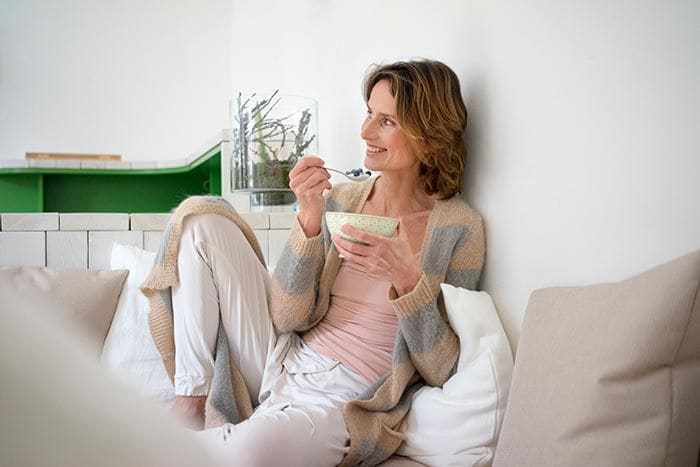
column 190, row 410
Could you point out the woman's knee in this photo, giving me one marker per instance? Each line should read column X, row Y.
column 212, row 229
column 208, row 222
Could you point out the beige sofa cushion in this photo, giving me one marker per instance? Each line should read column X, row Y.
column 87, row 298
column 609, row 374
column 58, row 408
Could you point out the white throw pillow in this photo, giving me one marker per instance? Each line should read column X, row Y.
column 129, row 350
column 459, row 423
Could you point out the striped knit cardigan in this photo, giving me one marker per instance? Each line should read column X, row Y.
column 426, row 349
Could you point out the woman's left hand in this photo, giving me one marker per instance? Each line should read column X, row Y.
column 389, row 257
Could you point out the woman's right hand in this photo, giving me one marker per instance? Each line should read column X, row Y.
column 308, row 179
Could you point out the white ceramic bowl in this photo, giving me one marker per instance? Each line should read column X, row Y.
column 377, row 225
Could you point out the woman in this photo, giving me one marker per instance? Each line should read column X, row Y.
column 359, row 335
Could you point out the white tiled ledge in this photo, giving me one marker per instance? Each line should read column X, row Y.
column 84, row 240
column 93, row 165
column 221, row 136
column 25, row 222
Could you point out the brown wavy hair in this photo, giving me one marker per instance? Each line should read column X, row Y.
column 431, row 111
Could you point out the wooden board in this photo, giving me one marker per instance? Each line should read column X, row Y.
column 74, row 156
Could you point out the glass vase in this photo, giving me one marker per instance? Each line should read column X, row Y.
column 271, row 131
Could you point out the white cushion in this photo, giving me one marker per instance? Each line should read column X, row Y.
column 459, row 423
column 129, row 350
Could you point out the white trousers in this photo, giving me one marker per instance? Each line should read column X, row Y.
column 219, row 276
column 299, row 420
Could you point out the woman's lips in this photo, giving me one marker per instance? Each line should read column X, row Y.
column 374, row 149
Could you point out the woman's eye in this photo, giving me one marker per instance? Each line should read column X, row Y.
column 387, row 122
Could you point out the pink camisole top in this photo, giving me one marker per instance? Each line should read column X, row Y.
column 360, row 326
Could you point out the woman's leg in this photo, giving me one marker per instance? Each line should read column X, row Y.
column 219, row 275
column 292, row 436
column 301, row 424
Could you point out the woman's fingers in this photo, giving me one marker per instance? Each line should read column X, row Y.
column 339, row 245
column 309, row 178
column 305, row 163
column 360, row 254
column 361, row 235
column 367, row 244
column 390, row 257
column 349, row 246
column 350, row 250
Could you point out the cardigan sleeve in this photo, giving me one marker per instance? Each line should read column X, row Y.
column 300, row 286
column 293, row 289
column 433, row 346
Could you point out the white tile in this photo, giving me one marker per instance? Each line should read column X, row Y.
column 100, row 246
column 117, row 165
column 29, row 221
column 14, row 164
column 149, row 221
column 151, row 240
column 172, row 163
column 276, row 241
column 42, row 163
column 281, row 220
column 22, row 249
column 262, row 236
column 67, row 164
column 144, row 164
column 93, row 221
column 67, row 249
column 88, row 164
column 257, row 220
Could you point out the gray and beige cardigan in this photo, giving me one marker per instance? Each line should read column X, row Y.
column 425, row 351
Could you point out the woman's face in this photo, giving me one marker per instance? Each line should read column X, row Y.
column 388, row 146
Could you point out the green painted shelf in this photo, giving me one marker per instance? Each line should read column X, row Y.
column 118, row 190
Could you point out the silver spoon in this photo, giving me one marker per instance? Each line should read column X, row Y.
column 356, row 175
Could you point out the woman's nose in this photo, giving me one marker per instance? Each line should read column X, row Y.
column 368, row 129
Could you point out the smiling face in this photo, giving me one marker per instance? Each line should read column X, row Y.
column 389, row 148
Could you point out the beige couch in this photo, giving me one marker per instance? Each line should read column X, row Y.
column 609, row 374
column 605, row 375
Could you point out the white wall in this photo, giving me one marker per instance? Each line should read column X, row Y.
column 322, row 48
column 145, row 79
column 583, row 114
column 586, row 141
column 583, row 118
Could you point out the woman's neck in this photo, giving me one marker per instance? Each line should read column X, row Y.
column 399, row 196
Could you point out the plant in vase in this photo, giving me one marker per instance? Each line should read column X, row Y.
column 269, row 136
